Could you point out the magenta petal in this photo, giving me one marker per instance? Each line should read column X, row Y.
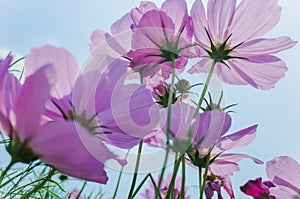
column 30, row 102
column 266, row 46
column 61, row 145
column 220, row 14
column 252, row 20
column 64, row 64
column 285, row 168
column 238, row 139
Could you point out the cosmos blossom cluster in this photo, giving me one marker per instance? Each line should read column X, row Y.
column 130, row 92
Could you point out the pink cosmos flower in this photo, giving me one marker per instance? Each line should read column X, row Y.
column 160, row 36
column 208, row 137
column 258, row 189
column 230, row 37
column 284, row 172
column 150, row 191
column 56, row 143
column 100, row 102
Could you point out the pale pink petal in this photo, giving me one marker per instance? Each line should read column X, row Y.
column 97, row 38
column 285, row 168
column 236, row 157
column 226, row 182
column 223, row 167
column 260, row 71
column 64, row 64
column 252, row 19
column 220, row 14
column 177, row 11
column 199, row 22
column 210, row 126
column 121, row 25
column 144, row 7
column 282, row 192
column 238, row 139
column 203, row 66
column 30, row 102
column 266, row 46
column 181, row 120
column 60, row 145
column 151, row 30
column 232, row 75
column 134, row 110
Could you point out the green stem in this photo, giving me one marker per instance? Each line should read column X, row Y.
column 142, row 183
column 3, row 174
column 119, row 178
column 40, row 185
column 205, row 88
column 205, row 176
column 137, row 164
column 200, row 179
column 170, row 192
column 182, row 178
column 170, row 99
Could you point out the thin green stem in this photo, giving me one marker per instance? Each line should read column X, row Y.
column 205, row 176
column 136, row 169
column 205, row 88
column 200, row 179
column 3, row 174
column 142, row 183
column 182, row 178
column 120, row 175
column 170, row 192
column 170, row 99
column 40, row 185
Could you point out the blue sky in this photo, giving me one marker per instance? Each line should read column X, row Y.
column 27, row 24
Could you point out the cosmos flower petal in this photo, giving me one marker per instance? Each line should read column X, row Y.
column 210, row 126
column 64, row 64
column 283, row 192
column 252, row 20
column 260, row 71
column 220, row 14
column 238, row 139
column 176, row 10
column 69, row 153
column 181, row 119
column 286, row 168
column 30, row 102
column 199, row 21
column 203, row 65
column 145, row 6
column 266, row 46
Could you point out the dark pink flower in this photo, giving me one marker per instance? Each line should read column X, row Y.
column 230, row 37
column 284, row 172
column 257, row 188
column 160, row 35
